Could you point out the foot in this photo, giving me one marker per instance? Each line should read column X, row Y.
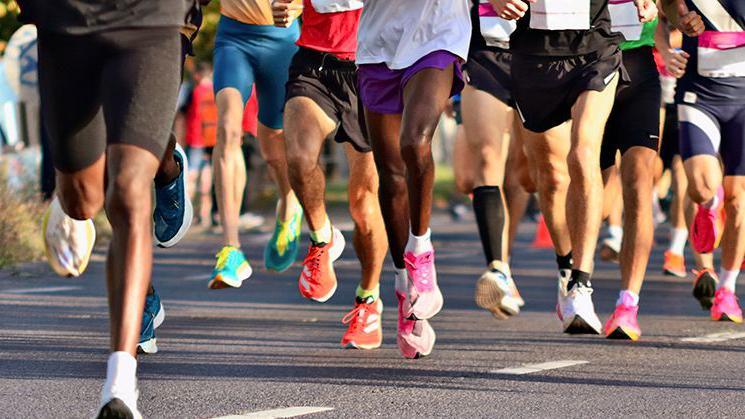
column 152, row 318
column 318, row 280
column 674, row 265
column 494, row 293
column 707, row 226
column 281, row 251
column 575, row 308
column 364, row 331
column 68, row 242
column 704, row 287
column 726, row 306
column 623, row 323
column 231, row 269
column 415, row 338
column 173, row 212
column 117, row 409
column 425, row 298
column 610, row 249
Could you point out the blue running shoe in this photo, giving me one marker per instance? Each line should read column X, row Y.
column 173, row 210
column 152, row 318
column 231, row 269
column 281, row 251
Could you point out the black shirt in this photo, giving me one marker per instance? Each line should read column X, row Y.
column 561, row 43
column 79, row 17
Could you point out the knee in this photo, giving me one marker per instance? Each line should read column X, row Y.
column 128, row 199
column 299, row 161
column 551, row 178
column 416, row 143
column 363, row 206
column 464, row 184
column 734, row 204
column 229, row 135
column 581, row 160
column 701, row 191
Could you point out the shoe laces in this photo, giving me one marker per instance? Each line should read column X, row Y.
column 313, row 262
column 422, row 265
column 356, row 318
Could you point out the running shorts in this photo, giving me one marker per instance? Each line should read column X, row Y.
column 331, row 83
column 457, row 109
column 670, row 144
column 635, row 118
column 488, row 70
column 714, row 129
column 545, row 88
column 113, row 87
column 246, row 54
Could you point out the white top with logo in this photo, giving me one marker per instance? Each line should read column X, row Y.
column 335, row 6
column 559, row 15
column 721, row 54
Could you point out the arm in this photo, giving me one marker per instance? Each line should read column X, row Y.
column 511, row 9
column 690, row 23
column 675, row 59
column 647, row 10
column 285, row 11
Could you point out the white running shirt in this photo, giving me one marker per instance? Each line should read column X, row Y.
column 400, row 32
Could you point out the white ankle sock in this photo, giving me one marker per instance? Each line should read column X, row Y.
column 121, row 379
column 728, row 279
column 616, row 232
column 419, row 244
column 627, row 297
column 402, row 281
column 678, row 238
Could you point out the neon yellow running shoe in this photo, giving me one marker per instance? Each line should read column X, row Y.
column 282, row 249
column 231, row 269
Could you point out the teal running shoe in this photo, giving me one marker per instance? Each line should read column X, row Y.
column 281, row 251
column 231, row 269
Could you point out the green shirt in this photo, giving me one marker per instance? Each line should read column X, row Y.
column 646, row 39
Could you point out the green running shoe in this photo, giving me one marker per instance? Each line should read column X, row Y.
column 231, row 269
column 281, row 251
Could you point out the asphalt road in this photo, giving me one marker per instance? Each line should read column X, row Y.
column 263, row 347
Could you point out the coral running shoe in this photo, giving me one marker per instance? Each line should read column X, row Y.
column 318, row 280
column 726, row 306
column 231, row 269
column 707, row 226
column 281, row 250
column 704, row 287
column 365, row 330
column 424, row 298
column 575, row 308
column 623, row 323
column 68, row 242
column 674, row 265
column 494, row 293
column 415, row 338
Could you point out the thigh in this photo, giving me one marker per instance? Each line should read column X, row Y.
column 141, row 81
column 307, row 126
column 590, row 114
column 363, row 176
column 232, row 70
column 732, row 148
column 271, row 71
column 425, row 97
column 547, row 152
column 487, row 122
column 699, row 131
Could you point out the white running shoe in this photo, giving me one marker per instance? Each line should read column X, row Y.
column 68, row 242
column 575, row 308
column 494, row 293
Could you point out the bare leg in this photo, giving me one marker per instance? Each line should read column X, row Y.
column 733, row 241
column 272, row 145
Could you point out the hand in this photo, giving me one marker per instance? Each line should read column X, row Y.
column 285, row 11
column 647, row 10
column 675, row 62
column 511, row 9
column 690, row 23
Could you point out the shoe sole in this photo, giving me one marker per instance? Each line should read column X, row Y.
column 704, row 290
column 677, row 274
column 578, row 326
column 116, row 409
column 188, row 208
column 726, row 318
column 608, row 254
column 491, row 297
column 352, row 345
column 151, row 346
column 219, row 280
column 620, row 333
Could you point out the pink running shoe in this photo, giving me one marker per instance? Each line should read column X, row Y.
column 622, row 324
column 726, row 306
column 415, row 338
column 707, row 226
column 424, row 299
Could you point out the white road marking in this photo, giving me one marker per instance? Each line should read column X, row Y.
column 715, row 337
column 40, row 290
column 289, row 412
column 531, row 368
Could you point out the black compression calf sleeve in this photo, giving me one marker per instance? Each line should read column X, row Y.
column 489, row 209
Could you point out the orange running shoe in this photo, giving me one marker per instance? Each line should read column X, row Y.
column 674, row 265
column 365, row 330
column 318, row 280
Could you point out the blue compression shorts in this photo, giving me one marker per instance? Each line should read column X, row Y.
column 714, row 129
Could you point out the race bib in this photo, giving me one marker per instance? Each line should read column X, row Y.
column 721, row 54
column 495, row 30
column 624, row 18
column 334, row 6
column 557, row 15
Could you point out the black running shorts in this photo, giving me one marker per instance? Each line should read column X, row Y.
column 670, row 142
column 635, row 118
column 332, row 84
column 488, row 70
column 546, row 88
column 114, row 87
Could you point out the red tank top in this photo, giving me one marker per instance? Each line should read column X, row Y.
column 334, row 32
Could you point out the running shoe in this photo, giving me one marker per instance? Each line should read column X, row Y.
column 68, row 242
column 424, row 298
column 705, row 286
column 610, row 248
column 575, row 308
column 494, row 294
column 674, row 265
column 707, row 226
column 318, row 280
column 515, row 292
column 281, row 251
column 152, row 318
column 231, row 269
column 116, row 408
column 173, row 212
column 365, row 330
column 726, row 306
column 623, row 323
column 415, row 338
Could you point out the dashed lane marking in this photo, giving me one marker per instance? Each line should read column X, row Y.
column 289, row 412
column 40, row 290
column 715, row 337
column 531, row 368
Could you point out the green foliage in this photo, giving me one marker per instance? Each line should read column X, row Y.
column 20, row 224
column 205, row 41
